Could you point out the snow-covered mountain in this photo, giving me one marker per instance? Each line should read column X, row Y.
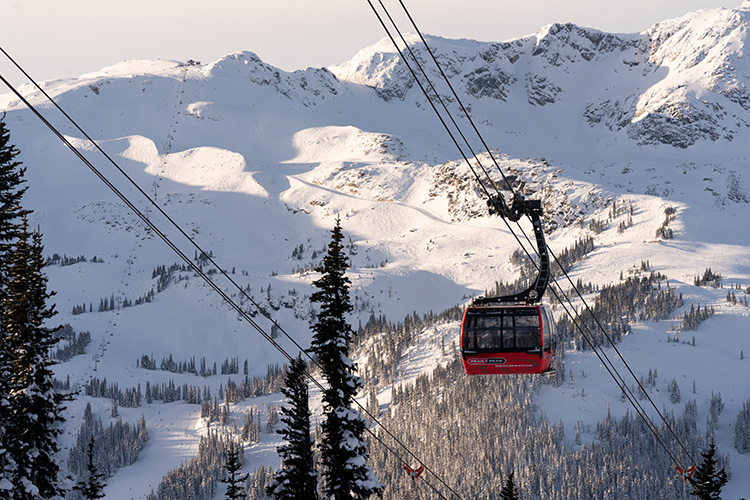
column 677, row 83
column 631, row 132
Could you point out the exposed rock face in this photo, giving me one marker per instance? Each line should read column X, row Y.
column 681, row 81
column 308, row 86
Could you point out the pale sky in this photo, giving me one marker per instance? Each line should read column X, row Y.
column 67, row 38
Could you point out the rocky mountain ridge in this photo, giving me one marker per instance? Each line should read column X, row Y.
column 681, row 81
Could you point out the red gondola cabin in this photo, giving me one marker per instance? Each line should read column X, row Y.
column 507, row 339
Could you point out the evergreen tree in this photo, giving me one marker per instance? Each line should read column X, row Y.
column 34, row 405
column 509, row 491
column 11, row 177
column 93, row 486
column 674, row 392
column 235, row 490
column 707, row 482
column 297, row 478
column 346, row 474
column 742, row 429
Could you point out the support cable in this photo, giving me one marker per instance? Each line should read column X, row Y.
column 619, row 354
column 593, row 343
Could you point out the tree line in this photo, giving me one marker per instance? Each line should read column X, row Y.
column 170, row 391
column 112, row 447
column 74, row 343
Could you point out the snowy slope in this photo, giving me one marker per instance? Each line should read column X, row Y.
column 255, row 164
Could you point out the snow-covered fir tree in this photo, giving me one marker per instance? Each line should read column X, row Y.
column 234, row 480
column 708, row 479
column 35, row 406
column 674, row 392
column 93, row 486
column 30, row 408
column 11, row 192
column 509, row 491
column 742, row 429
column 345, row 472
column 297, row 478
